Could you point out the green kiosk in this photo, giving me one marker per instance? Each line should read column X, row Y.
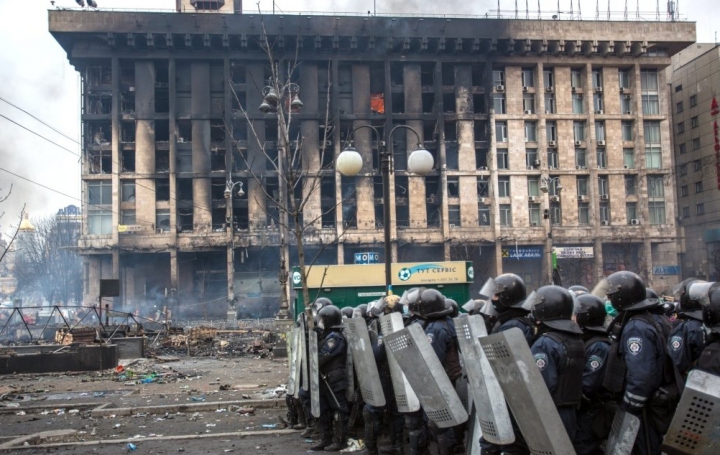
column 353, row 285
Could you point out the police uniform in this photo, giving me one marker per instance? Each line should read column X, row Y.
column 641, row 349
column 560, row 357
column 685, row 343
column 592, row 416
column 332, row 355
column 709, row 360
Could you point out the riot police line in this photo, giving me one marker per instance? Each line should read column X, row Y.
column 556, row 371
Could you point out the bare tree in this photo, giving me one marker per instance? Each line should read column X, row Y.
column 299, row 170
column 47, row 262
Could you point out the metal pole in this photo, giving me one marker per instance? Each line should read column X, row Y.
column 385, row 160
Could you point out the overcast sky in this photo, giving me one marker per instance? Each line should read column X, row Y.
column 35, row 76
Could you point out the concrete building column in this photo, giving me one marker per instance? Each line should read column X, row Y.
column 312, row 143
column 364, row 141
column 200, row 105
column 412, row 86
column 599, row 262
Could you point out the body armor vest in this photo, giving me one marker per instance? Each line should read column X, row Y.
column 337, row 362
column 709, row 360
column 451, row 364
column 569, row 387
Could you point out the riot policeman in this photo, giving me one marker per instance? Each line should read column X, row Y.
column 347, row 311
column 430, row 307
column 507, row 300
column 332, row 355
column 709, row 360
column 559, row 352
column 638, row 366
column 594, row 415
column 686, row 340
column 373, row 415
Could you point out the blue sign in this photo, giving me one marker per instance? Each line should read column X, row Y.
column 666, row 270
column 367, row 258
column 522, row 252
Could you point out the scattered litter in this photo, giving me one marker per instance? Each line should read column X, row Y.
column 99, row 394
column 210, row 425
column 21, row 413
column 269, row 425
column 130, row 446
column 200, row 398
column 354, row 445
column 74, row 411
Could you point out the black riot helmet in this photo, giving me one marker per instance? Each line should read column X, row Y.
column 430, row 305
column 329, row 317
column 591, row 313
column 360, row 311
column 554, row 307
column 651, row 294
column 689, row 306
column 711, row 311
column 626, row 291
column 510, row 292
column 453, row 307
column 319, row 304
column 347, row 311
column 578, row 290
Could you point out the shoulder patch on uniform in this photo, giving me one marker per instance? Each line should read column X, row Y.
column 380, row 341
column 676, row 343
column 594, row 362
column 430, row 337
column 331, row 343
column 634, row 345
column 541, row 361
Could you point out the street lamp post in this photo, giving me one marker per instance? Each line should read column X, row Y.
column 546, row 185
column 349, row 163
column 228, row 193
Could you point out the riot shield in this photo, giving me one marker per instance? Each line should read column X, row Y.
column 526, row 393
column 314, row 374
column 491, row 409
column 488, row 290
column 426, row 376
column 295, row 358
column 474, row 433
column 695, row 428
column 364, row 361
column 622, row 436
column 303, row 356
column 405, row 398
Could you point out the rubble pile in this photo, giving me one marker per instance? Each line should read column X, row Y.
column 78, row 335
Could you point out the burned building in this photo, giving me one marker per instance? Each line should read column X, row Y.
column 513, row 111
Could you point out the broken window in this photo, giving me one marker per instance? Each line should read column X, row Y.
column 162, row 91
column 217, row 189
column 162, row 161
column 449, row 103
column 100, row 161
column 162, row 190
column 452, row 155
column 184, row 131
column 99, row 103
column 217, row 159
column 162, row 131
column 433, row 201
column 398, row 103
column 272, row 189
column 100, row 74
column 481, row 158
column 402, row 208
column 483, row 214
column 127, row 133
column 396, row 73
column 379, row 203
column 428, row 103
column 453, row 186
column 218, row 219
column 349, row 203
column 128, row 161
column 327, row 201
column 98, row 133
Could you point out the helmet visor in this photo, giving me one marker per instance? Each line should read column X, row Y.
column 469, row 305
column 699, row 291
column 489, row 289
column 404, row 298
column 602, row 289
column 488, row 309
column 531, row 300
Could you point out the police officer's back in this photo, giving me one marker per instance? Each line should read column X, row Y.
column 686, row 340
column 595, row 412
column 508, row 302
column 709, row 359
column 559, row 352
